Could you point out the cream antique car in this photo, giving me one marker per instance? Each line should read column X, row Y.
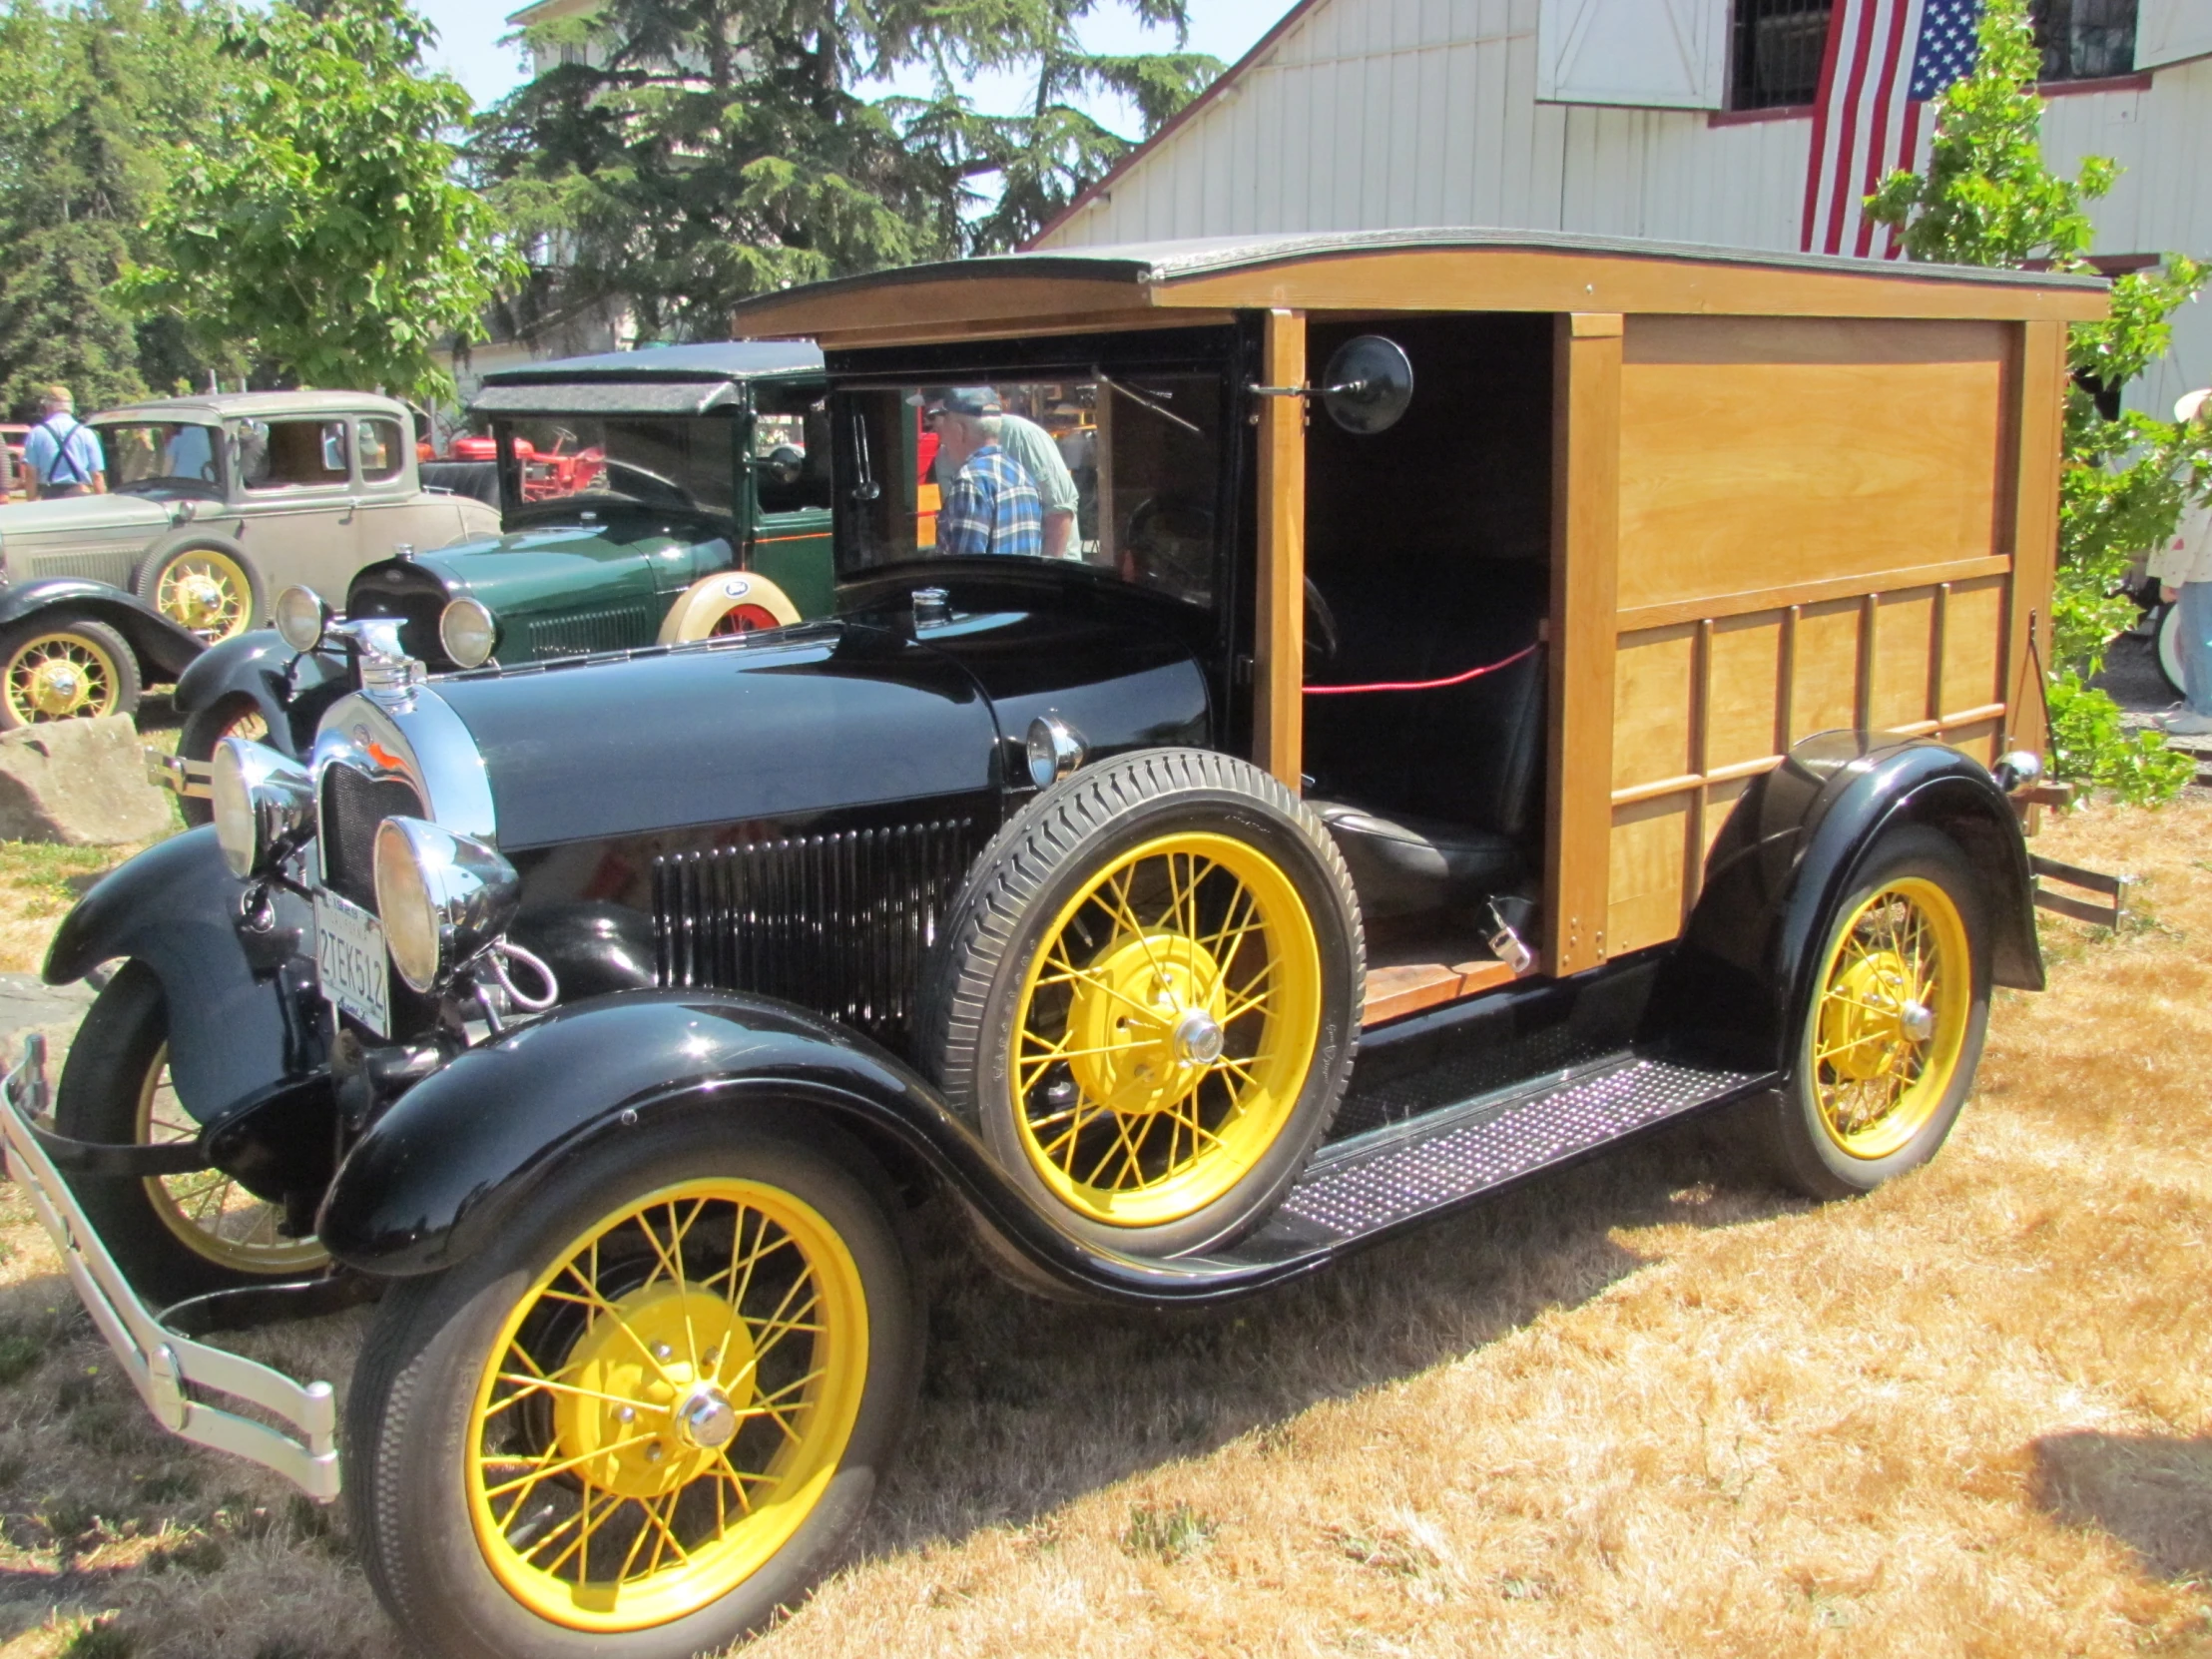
column 215, row 504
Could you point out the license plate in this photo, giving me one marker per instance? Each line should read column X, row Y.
column 349, row 956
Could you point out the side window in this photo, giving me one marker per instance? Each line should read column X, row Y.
column 790, row 449
column 287, row 454
column 381, row 453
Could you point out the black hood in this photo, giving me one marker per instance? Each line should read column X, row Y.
column 809, row 719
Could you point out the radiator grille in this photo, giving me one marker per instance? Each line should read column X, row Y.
column 841, row 924
column 613, row 628
column 352, row 806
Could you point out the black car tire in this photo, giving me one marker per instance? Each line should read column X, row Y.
column 95, row 642
column 230, row 717
column 986, row 994
column 1808, row 1149
column 413, row 1405
column 103, row 1097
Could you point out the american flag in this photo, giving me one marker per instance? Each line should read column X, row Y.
column 1884, row 60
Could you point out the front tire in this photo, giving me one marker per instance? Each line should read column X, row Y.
column 1148, row 996
column 212, row 592
column 64, row 668
column 204, row 730
column 173, row 1235
column 1898, row 1009
column 644, row 1419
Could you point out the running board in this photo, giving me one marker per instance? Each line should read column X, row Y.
column 1380, row 1183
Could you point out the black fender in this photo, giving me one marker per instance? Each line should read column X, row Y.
column 163, row 649
column 239, row 1019
column 291, row 688
column 1740, row 982
column 458, row 1157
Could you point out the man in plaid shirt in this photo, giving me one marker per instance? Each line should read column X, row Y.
column 990, row 505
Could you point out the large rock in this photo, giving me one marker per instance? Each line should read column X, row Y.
column 81, row 782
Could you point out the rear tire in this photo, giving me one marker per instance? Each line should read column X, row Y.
column 1898, row 1011
column 445, row 1422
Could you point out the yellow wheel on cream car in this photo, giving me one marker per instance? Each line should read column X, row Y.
column 208, row 591
column 64, row 668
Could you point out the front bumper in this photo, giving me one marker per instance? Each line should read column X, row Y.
column 168, row 1367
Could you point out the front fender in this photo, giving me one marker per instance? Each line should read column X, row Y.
column 458, row 1157
column 232, row 995
column 1741, row 981
column 289, row 689
column 163, row 649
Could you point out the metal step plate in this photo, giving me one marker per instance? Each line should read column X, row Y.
column 1389, row 1179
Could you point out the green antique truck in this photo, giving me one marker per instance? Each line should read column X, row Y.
column 645, row 497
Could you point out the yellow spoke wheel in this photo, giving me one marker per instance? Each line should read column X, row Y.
column 205, row 592
column 207, row 1211
column 1889, row 1029
column 1165, row 1029
column 62, row 675
column 666, row 1404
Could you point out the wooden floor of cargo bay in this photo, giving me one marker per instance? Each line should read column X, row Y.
column 1646, row 1408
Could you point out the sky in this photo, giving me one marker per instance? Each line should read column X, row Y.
column 470, row 32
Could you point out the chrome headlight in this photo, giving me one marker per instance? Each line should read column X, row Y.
column 264, row 805
column 302, row 618
column 468, row 633
column 442, row 899
column 1055, row 748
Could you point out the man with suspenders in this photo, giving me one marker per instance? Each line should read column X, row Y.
column 61, row 456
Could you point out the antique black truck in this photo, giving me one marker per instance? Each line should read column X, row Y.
column 1601, row 711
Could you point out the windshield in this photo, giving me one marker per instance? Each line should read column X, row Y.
column 159, row 454
column 1117, row 471
column 680, row 461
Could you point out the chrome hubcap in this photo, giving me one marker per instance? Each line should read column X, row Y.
column 1919, row 1021
column 707, row 1419
column 1198, row 1038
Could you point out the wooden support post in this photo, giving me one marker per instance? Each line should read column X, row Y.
column 1586, row 550
column 2038, row 421
column 1279, row 666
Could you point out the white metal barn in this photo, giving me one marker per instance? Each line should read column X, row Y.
column 1681, row 119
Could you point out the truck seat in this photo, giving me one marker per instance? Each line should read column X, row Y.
column 1408, row 865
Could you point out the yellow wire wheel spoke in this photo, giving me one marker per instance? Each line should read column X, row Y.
column 1889, row 1029
column 62, row 675
column 206, row 592
column 208, row 1212
column 666, row 1404
column 1163, row 1035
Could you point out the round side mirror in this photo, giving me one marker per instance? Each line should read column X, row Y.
column 784, row 465
column 1368, row 386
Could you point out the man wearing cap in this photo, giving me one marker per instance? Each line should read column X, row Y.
column 2183, row 568
column 61, row 456
column 1035, row 453
column 990, row 505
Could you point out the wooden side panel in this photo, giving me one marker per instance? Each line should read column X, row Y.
column 1278, row 632
column 1905, row 633
column 1585, row 532
column 1824, row 695
column 1652, row 692
column 1759, row 454
column 1973, row 643
column 1742, row 707
column 1647, row 865
column 2038, row 420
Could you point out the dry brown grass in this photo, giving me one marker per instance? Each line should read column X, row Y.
column 1644, row 1407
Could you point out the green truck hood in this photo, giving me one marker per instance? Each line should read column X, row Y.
column 533, row 570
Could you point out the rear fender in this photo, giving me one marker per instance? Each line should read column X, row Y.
column 239, row 1016
column 163, row 649
column 291, row 688
column 459, row 1156
column 1740, row 980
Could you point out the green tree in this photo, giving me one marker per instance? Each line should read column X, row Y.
column 98, row 107
column 689, row 153
column 1989, row 198
column 324, row 222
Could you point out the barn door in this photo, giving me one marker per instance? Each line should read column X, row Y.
column 1663, row 54
column 2168, row 31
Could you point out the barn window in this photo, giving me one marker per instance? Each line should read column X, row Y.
column 1775, row 52
column 2083, row 40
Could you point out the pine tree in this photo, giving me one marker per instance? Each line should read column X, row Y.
column 690, row 153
